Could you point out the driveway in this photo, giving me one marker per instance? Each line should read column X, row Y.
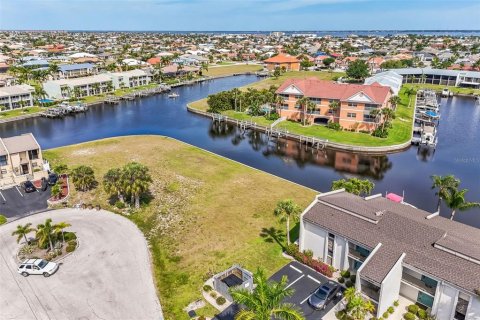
column 14, row 202
column 107, row 277
column 303, row 281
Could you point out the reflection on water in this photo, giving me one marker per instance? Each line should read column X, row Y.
column 301, row 154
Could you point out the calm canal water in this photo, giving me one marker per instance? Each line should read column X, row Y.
column 458, row 151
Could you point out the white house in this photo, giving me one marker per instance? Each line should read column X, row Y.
column 18, row 96
column 85, row 86
column 129, row 79
column 396, row 249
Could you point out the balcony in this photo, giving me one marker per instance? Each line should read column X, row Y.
column 419, row 284
column 358, row 253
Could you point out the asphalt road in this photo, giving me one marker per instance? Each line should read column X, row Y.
column 107, row 277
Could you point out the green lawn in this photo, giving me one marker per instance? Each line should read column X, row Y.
column 230, row 69
column 20, row 112
column 400, row 132
column 322, row 75
column 205, row 213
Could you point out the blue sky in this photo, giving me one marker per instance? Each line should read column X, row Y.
column 251, row 15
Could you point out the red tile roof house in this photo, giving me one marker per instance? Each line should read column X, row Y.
column 356, row 102
column 283, row 61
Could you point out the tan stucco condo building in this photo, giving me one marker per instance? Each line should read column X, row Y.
column 20, row 160
column 356, row 102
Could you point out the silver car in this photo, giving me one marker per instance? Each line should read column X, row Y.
column 324, row 294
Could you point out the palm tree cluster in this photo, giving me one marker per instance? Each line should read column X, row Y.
column 47, row 234
column 83, row 178
column 131, row 181
column 354, row 185
column 447, row 190
column 287, row 210
column 357, row 308
column 265, row 302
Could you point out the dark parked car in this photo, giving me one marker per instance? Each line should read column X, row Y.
column 324, row 294
column 52, row 179
column 29, row 187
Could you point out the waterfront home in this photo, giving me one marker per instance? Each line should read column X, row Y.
column 20, row 160
column 14, row 97
column 129, row 79
column 397, row 250
column 457, row 78
column 283, row 61
column 78, row 87
column 76, row 70
column 355, row 102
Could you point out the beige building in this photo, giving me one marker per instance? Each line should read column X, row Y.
column 20, row 160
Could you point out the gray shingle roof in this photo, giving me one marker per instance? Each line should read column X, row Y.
column 402, row 229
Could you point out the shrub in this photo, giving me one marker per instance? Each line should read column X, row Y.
column 207, row 288
column 318, row 266
column 396, row 303
column 72, row 243
column 413, row 308
column 345, row 274
column 70, row 236
column 353, row 278
column 409, row 316
column 385, row 315
column 291, row 249
column 120, row 205
column 341, row 280
column 422, row 314
column 334, row 126
column 391, row 310
column 349, row 284
column 220, row 301
column 308, row 254
column 272, row 117
column 70, row 248
column 213, row 294
column 379, row 133
column 201, row 318
column 3, row 219
column 373, row 318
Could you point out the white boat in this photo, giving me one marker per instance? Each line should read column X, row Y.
column 173, row 95
column 446, row 93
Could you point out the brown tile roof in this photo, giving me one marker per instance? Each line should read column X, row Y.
column 20, row 143
column 315, row 88
column 402, row 229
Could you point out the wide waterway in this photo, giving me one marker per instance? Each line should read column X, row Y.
column 458, row 151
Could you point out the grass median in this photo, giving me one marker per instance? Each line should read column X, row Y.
column 204, row 213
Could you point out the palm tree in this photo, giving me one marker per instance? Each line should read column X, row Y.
column 40, row 93
column 286, row 210
column 22, row 231
column 455, row 200
column 96, row 88
column 387, row 114
column 334, row 106
column 58, row 229
column 45, row 233
column 77, row 92
column 109, row 86
column 357, row 307
column 394, row 101
column 83, row 178
column 136, row 181
column 112, row 183
column 410, row 91
column 53, row 70
column 306, row 104
column 444, row 185
column 265, row 301
column 204, row 66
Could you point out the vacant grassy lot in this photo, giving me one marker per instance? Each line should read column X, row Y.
column 204, row 214
column 399, row 133
column 230, row 69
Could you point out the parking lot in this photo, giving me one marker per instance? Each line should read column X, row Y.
column 15, row 202
column 303, row 281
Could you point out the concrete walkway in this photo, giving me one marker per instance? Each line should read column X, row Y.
column 107, row 277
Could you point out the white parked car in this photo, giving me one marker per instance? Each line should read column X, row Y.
column 37, row 266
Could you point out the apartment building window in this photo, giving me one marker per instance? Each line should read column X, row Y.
column 352, row 105
column 462, row 306
column 351, row 115
column 331, row 241
column 369, row 118
column 370, row 106
column 3, row 160
column 33, row 154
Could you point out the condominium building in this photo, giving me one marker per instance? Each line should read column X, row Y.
column 457, row 78
column 354, row 102
column 76, row 70
column 129, row 79
column 18, row 96
column 20, row 160
column 397, row 250
column 78, row 87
